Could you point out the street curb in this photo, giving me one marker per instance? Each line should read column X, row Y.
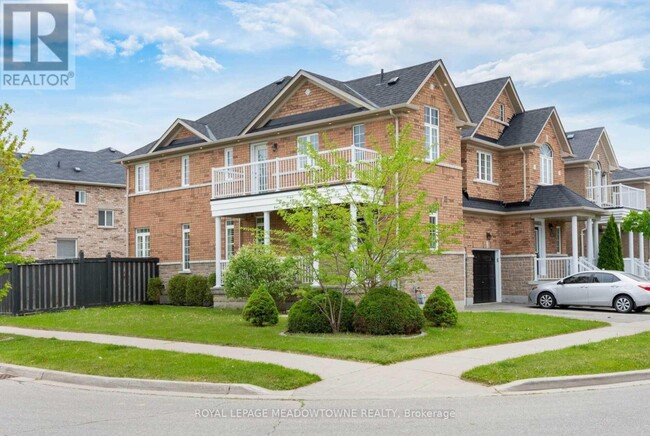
column 132, row 383
column 547, row 383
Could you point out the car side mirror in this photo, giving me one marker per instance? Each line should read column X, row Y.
column 561, row 282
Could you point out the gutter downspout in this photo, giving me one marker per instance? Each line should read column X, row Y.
column 525, row 186
column 128, row 224
column 392, row 114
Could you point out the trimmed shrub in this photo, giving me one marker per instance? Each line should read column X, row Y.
column 388, row 311
column 212, row 279
column 155, row 289
column 260, row 308
column 610, row 253
column 308, row 316
column 197, row 291
column 440, row 309
column 256, row 265
column 176, row 288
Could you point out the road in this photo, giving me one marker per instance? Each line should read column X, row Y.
column 35, row 408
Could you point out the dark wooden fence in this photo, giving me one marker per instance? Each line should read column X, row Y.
column 70, row 283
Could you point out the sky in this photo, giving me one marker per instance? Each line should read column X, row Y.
column 140, row 64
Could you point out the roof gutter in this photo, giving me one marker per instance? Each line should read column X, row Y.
column 536, row 211
column 78, row 182
column 266, row 133
column 484, row 143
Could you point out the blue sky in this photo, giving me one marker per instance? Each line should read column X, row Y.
column 142, row 64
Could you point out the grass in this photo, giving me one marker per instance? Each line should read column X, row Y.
column 121, row 361
column 225, row 327
column 628, row 353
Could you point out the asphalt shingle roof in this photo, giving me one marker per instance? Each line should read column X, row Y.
column 306, row 117
column 478, row 99
column 525, row 127
column 545, row 197
column 60, row 164
column 631, row 173
column 583, row 142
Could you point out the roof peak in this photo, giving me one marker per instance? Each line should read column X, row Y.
column 498, row 79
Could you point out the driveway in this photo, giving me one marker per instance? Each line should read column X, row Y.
column 588, row 313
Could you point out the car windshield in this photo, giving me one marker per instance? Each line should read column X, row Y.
column 633, row 277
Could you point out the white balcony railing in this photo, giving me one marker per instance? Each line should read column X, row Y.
column 287, row 173
column 636, row 267
column 552, row 268
column 617, row 196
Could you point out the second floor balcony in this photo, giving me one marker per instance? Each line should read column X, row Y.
column 289, row 173
column 617, row 196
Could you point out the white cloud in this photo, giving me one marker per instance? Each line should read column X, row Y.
column 129, row 46
column 91, row 41
column 178, row 50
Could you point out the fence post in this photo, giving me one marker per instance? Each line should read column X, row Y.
column 107, row 295
column 16, row 289
column 81, row 286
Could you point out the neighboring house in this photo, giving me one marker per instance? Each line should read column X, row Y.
column 92, row 191
column 204, row 182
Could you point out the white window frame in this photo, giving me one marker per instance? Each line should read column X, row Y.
column 230, row 239
column 502, row 112
column 431, row 133
column 106, row 213
column 303, row 142
column 545, row 166
column 76, row 251
column 433, row 220
column 142, row 178
column 80, row 197
column 558, row 239
column 359, row 135
column 185, row 171
column 142, row 242
column 259, row 230
column 484, row 172
column 185, row 247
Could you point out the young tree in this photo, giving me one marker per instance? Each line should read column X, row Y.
column 23, row 209
column 369, row 233
column 610, row 255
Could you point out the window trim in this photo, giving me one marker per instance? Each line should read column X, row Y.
column 185, row 171
column 304, row 159
column 76, row 247
column 432, row 151
column 488, row 177
column 105, row 226
column 82, row 194
column 433, row 233
column 185, row 247
column 145, row 183
column 230, row 226
column 502, row 112
column 356, row 135
column 546, row 166
column 143, row 233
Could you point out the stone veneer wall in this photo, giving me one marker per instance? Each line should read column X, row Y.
column 447, row 270
column 517, row 274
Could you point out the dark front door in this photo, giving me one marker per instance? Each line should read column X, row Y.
column 485, row 277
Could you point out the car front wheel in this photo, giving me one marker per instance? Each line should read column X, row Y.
column 623, row 304
column 546, row 300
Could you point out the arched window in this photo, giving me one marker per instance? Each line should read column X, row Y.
column 546, row 165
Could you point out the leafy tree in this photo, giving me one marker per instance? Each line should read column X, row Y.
column 24, row 210
column 610, row 255
column 390, row 236
column 638, row 222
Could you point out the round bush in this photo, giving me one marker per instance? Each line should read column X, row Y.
column 307, row 316
column 440, row 309
column 176, row 288
column 260, row 308
column 212, row 279
column 155, row 289
column 388, row 311
column 197, row 291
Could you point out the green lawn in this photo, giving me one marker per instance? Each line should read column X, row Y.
column 225, row 327
column 120, row 361
column 628, row 353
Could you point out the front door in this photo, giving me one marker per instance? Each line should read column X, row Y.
column 259, row 168
column 485, row 277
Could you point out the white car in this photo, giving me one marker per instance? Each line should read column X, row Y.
column 622, row 291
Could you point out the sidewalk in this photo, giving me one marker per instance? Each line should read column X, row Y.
column 435, row 376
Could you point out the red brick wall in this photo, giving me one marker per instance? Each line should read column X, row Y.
column 300, row 102
column 494, row 129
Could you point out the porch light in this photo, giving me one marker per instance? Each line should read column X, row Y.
column 274, row 147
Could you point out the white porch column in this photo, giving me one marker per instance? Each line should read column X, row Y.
column 641, row 248
column 314, row 234
column 590, row 240
column 354, row 238
column 267, row 228
column 596, row 240
column 630, row 243
column 574, row 244
column 217, row 250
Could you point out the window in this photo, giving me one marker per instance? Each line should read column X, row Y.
column 259, row 227
column 578, row 279
column 185, row 171
column 186, row 246
column 142, row 242
column 230, row 239
column 228, row 157
column 106, row 218
column 304, row 142
column 502, row 112
column 66, row 248
column 359, row 135
column 80, row 197
column 558, row 239
column 142, row 178
column 546, row 165
column 431, row 133
column 605, row 278
column 433, row 222
column 484, row 166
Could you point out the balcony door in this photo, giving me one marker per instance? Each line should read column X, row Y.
column 259, row 168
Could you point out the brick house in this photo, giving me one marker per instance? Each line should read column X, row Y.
column 92, row 190
column 203, row 182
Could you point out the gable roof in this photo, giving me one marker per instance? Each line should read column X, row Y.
column 525, row 127
column 544, row 198
column 59, row 165
column 628, row 174
column 584, row 142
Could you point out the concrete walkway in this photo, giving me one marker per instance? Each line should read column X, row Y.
column 433, row 376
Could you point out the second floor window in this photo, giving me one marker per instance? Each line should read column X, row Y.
column 80, row 197
column 186, row 247
column 304, row 143
column 142, row 242
column 484, row 166
column 431, row 133
column 106, row 218
column 185, row 171
column 142, row 178
column 546, row 165
column 359, row 135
